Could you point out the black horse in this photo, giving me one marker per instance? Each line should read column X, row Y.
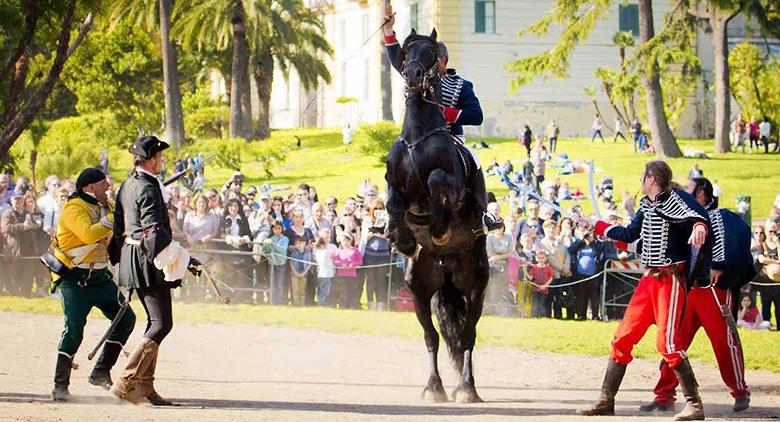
column 436, row 203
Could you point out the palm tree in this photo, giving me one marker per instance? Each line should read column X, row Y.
column 263, row 33
column 154, row 15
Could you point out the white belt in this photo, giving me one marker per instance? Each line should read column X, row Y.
column 131, row 241
column 93, row 266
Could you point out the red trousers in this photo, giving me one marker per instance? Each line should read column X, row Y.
column 659, row 299
column 702, row 311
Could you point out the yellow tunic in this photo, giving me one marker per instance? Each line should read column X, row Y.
column 81, row 224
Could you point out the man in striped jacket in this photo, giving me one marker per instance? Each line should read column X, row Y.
column 731, row 268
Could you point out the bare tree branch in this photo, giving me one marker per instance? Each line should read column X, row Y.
column 30, row 24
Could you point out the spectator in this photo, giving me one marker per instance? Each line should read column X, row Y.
column 538, row 157
column 695, row 172
column 332, row 203
column 597, row 127
column 560, row 262
column 564, row 232
column 585, row 252
column 48, row 200
column 541, row 275
column 298, row 228
column 764, row 131
column 375, row 249
column 52, row 215
column 317, row 221
column 769, row 259
column 33, row 243
column 200, row 226
column 738, row 133
column 715, row 188
column 13, row 226
column 636, row 134
column 529, row 176
column 629, row 205
column 276, row 248
column 500, row 247
column 300, row 265
column 235, row 228
column 753, row 134
column 347, row 258
column 5, row 193
column 346, row 136
column 526, row 137
column 326, row 269
column 619, row 130
column 531, row 223
column 749, row 317
column 552, row 132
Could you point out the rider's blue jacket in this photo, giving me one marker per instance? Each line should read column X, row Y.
column 461, row 106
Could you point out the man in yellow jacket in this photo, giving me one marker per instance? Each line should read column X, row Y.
column 82, row 235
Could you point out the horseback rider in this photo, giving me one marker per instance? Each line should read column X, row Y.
column 459, row 105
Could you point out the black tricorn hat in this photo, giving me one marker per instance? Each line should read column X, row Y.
column 147, row 146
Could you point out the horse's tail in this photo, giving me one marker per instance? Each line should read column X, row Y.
column 450, row 308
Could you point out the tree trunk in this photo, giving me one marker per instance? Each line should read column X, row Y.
column 386, row 86
column 27, row 113
column 174, row 119
column 719, row 23
column 18, row 80
column 32, row 11
column 239, row 76
column 663, row 140
column 264, row 77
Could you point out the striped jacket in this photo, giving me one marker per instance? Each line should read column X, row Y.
column 731, row 237
column 461, row 105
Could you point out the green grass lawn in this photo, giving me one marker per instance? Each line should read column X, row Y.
column 565, row 337
column 324, row 162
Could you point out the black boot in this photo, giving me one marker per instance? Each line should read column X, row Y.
column 62, row 378
column 694, row 408
column 605, row 405
column 101, row 373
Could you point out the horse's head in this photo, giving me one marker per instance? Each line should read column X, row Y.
column 420, row 66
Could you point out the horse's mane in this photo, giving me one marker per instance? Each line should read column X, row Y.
column 417, row 37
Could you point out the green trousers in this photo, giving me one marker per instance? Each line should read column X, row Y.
column 81, row 291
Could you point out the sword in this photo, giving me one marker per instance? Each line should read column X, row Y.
column 726, row 313
column 112, row 327
column 210, row 279
column 188, row 170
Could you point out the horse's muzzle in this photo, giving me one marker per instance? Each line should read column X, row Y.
column 443, row 240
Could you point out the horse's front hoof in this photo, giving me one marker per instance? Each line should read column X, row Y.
column 434, row 395
column 466, row 394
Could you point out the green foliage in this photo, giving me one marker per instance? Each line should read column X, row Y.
column 376, row 139
column 576, row 18
column 118, row 71
column 234, row 153
column 73, row 143
column 754, row 83
column 207, row 122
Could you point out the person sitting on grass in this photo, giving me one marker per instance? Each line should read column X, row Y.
column 749, row 317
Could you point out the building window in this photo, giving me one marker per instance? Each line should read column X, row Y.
column 413, row 16
column 485, row 16
column 629, row 18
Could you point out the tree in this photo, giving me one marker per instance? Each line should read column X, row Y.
column 112, row 72
column 714, row 17
column 263, row 34
column 754, row 82
column 577, row 19
column 26, row 97
column 155, row 15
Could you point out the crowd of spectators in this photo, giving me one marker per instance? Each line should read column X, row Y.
column 298, row 249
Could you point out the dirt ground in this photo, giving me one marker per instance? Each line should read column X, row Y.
column 236, row 373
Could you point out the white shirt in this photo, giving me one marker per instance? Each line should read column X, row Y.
column 764, row 129
column 347, row 134
column 325, row 266
column 234, row 227
column 47, row 202
column 618, row 125
column 716, row 190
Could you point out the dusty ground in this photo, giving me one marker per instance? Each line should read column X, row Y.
column 236, row 373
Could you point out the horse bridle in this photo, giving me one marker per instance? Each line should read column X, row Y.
column 431, row 73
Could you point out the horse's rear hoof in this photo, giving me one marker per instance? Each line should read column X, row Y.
column 465, row 394
column 432, row 396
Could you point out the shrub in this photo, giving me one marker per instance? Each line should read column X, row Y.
column 207, row 122
column 376, row 139
column 234, row 153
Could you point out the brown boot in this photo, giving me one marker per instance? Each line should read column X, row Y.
column 147, row 384
column 694, row 408
column 605, row 405
column 128, row 386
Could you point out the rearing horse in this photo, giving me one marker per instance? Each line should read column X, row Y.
column 436, row 202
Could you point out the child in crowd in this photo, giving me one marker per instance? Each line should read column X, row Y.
column 276, row 248
column 541, row 275
column 300, row 264
column 749, row 317
column 326, row 269
column 347, row 258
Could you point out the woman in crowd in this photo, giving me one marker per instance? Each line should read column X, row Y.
column 235, row 229
column 770, row 260
column 52, row 214
column 375, row 249
column 500, row 246
column 560, row 262
column 564, row 231
column 347, row 258
column 33, row 243
column 199, row 227
column 318, row 221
